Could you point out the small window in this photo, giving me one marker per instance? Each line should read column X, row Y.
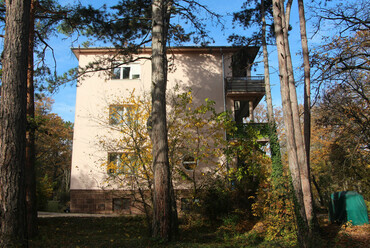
column 189, row 162
column 120, row 114
column 185, row 204
column 122, row 163
column 126, row 71
column 121, row 204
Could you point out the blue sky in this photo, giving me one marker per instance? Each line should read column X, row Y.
column 65, row 98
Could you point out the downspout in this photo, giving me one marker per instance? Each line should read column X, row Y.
column 224, row 97
column 223, row 81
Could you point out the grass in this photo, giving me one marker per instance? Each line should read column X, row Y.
column 114, row 232
column 132, row 232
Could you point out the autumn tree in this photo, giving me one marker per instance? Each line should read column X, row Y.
column 193, row 130
column 13, row 232
column 340, row 76
column 341, row 145
column 53, row 151
column 132, row 168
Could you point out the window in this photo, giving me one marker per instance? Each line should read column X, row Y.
column 189, row 162
column 185, row 204
column 127, row 71
column 120, row 114
column 114, row 162
column 121, row 204
column 122, row 163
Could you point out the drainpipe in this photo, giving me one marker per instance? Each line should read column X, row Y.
column 224, row 96
column 223, row 79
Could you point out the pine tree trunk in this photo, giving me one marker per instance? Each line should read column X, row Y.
column 279, row 19
column 30, row 135
column 301, row 151
column 13, row 230
column 270, row 111
column 307, row 102
column 162, row 209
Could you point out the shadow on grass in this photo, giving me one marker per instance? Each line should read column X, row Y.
column 132, row 232
column 117, row 232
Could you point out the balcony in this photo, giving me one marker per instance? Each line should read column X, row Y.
column 245, row 89
column 254, row 84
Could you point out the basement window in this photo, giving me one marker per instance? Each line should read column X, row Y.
column 185, row 204
column 189, row 162
column 121, row 204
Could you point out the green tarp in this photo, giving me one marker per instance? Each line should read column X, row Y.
column 348, row 206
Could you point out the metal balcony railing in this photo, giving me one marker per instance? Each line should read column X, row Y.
column 245, row 84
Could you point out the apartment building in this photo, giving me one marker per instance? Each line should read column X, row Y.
column 221, row 74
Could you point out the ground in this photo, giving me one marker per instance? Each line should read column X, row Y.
column 345, row 235
column 132, row 232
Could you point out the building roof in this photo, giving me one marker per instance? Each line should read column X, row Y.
column 253, row 50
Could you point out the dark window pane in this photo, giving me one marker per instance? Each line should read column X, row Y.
column 125, row 72
column 116, row 73
column 121, row 204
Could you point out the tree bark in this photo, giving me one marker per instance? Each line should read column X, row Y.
column 270, row 111
column 307, row 111
column 163, row 216
column 277, row 165
column 13, row 230
column 30, row 135
column 301, row 151
column 280, row 30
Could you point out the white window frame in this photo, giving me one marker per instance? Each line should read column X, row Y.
column 120, row 167
column 134, row 72
column 123, row 116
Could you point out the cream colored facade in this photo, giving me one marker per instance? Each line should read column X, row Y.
column 205, row 70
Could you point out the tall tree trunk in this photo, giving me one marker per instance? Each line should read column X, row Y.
column 280, row 29
column 162, row 209
column 307, row 111
column 270, row 111
column 301, row 151
column 277, row 166
column 30, row 135
column 13, row 230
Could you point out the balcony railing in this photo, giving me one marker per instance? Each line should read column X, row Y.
column 245, row 84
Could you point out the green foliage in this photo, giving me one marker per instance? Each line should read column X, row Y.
column 248, row 17
column 215, row 200
column 44, row 191
column 274, row 199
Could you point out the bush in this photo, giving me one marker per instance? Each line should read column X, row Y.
column 215, row 201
